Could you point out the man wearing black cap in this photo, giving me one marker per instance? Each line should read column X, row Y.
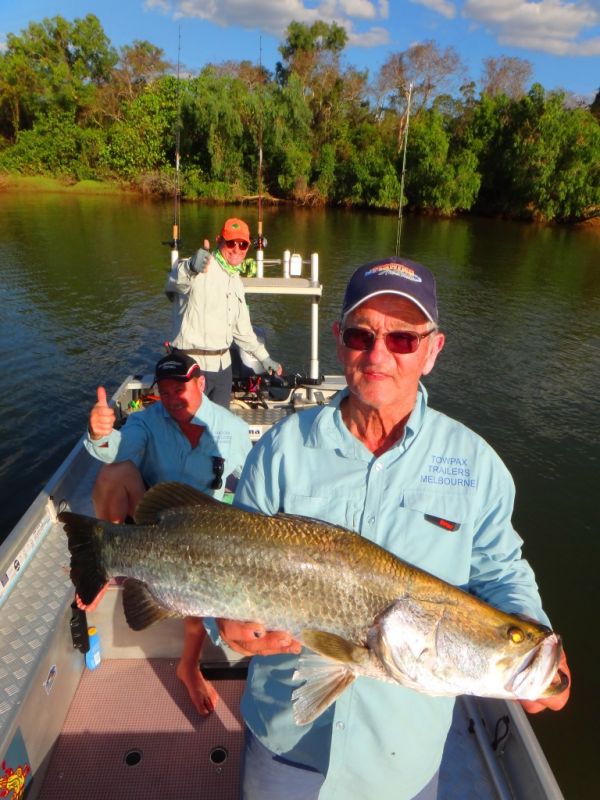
column 186, row 438
column 380, row 461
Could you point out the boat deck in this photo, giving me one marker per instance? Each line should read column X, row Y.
column 132, row 733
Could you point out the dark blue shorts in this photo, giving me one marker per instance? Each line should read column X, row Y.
column 267, row 776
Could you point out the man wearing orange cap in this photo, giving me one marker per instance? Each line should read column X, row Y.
column 210, row 311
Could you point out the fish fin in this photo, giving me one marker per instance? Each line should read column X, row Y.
column 140, row 607
column 335, row 647
column 84, row 539
column 324, row 681
column 165, row 496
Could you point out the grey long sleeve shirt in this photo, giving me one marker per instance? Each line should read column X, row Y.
column 209, row 313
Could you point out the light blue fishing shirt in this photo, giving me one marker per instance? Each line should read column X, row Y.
column 381, row 740
column 161, row 451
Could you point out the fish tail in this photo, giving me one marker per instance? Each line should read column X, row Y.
column 85, row 535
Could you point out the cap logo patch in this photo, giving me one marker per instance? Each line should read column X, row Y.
column 396, row 270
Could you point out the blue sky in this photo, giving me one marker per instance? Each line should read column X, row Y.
column 561, row 39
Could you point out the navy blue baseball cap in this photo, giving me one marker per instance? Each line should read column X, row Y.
column 393, row 275
column 176, row 366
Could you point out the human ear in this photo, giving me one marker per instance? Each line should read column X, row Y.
column 435, row 347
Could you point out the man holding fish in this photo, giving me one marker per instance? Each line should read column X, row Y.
column 379, row 461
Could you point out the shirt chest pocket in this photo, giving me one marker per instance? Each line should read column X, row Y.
column 437, row 534
column 338, row 510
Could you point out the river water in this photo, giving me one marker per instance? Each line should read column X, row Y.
column 81, row 281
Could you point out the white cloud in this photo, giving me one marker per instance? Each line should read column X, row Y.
column 442, row 7
column 549, row 26
column 363, row 9
column 274, row 16
column 556, row 46
column 374, row 37
column 162, row 5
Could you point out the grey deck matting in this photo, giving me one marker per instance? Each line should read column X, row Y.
column 134, row 706
column 139, row 706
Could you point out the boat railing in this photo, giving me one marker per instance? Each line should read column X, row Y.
column 291, row 282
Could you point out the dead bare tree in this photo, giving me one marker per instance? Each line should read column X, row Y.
column 507, row 75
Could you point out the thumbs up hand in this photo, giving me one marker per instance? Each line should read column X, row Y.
column 199, row 261
column 102, row 416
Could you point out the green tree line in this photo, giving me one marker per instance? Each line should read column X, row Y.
column 74, row 107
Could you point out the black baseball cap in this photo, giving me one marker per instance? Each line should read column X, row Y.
column 393, row 275
column 176, row 367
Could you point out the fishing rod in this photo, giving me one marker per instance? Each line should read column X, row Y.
column 175, row 242
column 405, row 137
column 261, row 242
column 260, row 152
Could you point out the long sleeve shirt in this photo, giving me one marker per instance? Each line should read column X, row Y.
column 209, row 313
column 155, row 443
column 381, row 740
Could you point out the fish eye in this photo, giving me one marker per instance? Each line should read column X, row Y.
column 516, row 635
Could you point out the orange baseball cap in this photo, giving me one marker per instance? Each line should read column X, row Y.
column 235, row 229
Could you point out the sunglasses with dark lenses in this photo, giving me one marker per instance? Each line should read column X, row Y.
column 402, row 342
column 218, row 469
column 242, row 245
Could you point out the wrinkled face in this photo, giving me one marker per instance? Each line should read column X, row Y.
column 231, row 251
column 376, row 376
column 181, row 398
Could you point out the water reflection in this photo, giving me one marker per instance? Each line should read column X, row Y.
column 81, row 299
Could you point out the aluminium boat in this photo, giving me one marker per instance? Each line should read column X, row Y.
column 127, row 728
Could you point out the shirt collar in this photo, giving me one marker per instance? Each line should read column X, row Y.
column 329, row 429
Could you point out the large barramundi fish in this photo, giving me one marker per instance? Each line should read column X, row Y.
column 360, row 609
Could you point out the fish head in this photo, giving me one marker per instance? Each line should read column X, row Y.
column 532, row 676
column 447, row 649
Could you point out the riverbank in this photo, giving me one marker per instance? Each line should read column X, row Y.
column 593, row 224
column 38, row 183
